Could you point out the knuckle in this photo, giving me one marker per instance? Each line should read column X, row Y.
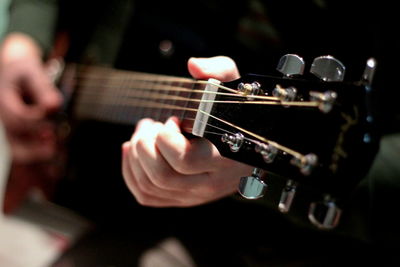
column 185, row 164
column 162, row 177
column 209, row 190
column 140, row 146
column 145, row 188
column 143, row 199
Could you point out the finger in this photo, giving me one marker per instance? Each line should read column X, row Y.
column 186, row 156
column 145, row 155
column 221, row 68
column 147, row 163
column 132, row 175
column 156, row 168
column 15, row 112
column 42, row 90
column 199, row 188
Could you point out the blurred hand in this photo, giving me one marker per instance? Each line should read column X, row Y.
column 27, row 97
column 162, row 168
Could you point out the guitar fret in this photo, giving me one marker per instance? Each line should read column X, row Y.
column 124, row 97
column 156, row 113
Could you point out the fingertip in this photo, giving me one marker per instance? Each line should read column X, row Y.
column 220, row 67
column 53, row 101
column 143, row 122
column 173, row 123
column 195, row 69
column 125, row 147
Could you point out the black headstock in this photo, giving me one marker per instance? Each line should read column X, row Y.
column 315, row 132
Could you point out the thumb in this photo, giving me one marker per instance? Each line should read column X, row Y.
column 42, row 90
column 221, row 68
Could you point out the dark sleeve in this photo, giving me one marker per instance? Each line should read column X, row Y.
column 36, row 18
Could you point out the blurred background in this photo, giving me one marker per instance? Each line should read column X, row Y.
column 24, row 242
column 3, row 15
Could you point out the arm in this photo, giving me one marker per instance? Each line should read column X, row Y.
column 27, row 95
column 162, row 168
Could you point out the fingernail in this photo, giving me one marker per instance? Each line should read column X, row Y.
column 172, row 123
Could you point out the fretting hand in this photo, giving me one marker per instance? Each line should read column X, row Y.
column 162, row 168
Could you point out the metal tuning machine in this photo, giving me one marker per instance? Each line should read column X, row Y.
column 249, row 89
column 235, row 141
column 325, row 214
column 285, row 94
column 267, row 151
column 369, row 71
column 328, row 69
column 252, row 187
column 325, row 100
column 290, row 65
column 287, row 196
column 306, row 164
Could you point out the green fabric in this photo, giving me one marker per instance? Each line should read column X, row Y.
column 107, row 37
column 3, row 17
column 36, row 18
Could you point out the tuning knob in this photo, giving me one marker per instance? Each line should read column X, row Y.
column 328, row 69
column 287, row 196
column 369, row 71
column 290, row 65
column 324, row 214
column 252, row 187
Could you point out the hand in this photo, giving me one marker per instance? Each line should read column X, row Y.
column 162, row 168
column 27, row 97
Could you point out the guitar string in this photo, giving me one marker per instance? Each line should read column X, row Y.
column 175, row 79
column 260, row 138
column 147, row 85
column 153, row 82
column 92, row 92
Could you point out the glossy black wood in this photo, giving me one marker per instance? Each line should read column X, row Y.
column 344, row 139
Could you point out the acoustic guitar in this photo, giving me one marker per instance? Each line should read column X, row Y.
column 314, row 130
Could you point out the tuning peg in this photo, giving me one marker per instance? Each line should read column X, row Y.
column 252, row 187
column 290, row 65
column 369, row 71
column 325, row 214
column 287, row 196
column 328, row 69
column 235, row 141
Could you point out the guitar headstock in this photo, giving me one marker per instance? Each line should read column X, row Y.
column 316, row 132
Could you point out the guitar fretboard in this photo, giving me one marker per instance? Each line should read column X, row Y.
column 124, row 97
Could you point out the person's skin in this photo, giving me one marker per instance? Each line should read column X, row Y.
column 171, row 170
column 162, row 168
column 27, row 98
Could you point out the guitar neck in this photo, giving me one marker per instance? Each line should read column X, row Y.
column 124, row 97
